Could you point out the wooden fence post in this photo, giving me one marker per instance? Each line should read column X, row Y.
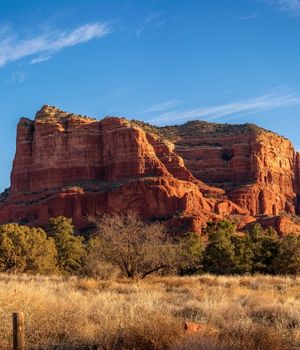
column 18, row 331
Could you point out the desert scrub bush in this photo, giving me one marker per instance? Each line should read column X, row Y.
column 25, row 249
column 72, row 313
column 240, row 338
column 62, row 315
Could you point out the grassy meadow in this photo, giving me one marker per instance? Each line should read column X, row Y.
column 181, row 313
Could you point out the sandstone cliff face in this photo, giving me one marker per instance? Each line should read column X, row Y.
column 256, row 168
column 53, row 152
column 76, row 166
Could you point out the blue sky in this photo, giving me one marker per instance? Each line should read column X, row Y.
column 162, row 61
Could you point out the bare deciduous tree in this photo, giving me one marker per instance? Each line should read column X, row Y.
column 137, row 248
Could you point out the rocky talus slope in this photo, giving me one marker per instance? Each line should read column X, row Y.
column 71, row 165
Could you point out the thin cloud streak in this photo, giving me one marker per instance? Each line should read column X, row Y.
column 17, row 77
column 160, row 107
column 13, row 48
column 290, row 6
column 246, row 18
column 153, row 19
column 234, row 110
column 40, row 59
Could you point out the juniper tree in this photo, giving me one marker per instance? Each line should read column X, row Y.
column 70, row 248
column 25, row 249
column 219, row 254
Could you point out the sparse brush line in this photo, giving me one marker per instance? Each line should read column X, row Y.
column 225, row 312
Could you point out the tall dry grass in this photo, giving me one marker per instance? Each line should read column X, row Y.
column 243, row 313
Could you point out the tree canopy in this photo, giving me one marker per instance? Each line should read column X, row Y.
column 25, row 249
column 137, row 248
column 70, row 248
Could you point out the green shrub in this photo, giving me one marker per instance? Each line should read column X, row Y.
column 70, row 248
column 25, row 249
column 219, row 254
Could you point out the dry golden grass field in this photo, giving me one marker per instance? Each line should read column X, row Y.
column 257, row 313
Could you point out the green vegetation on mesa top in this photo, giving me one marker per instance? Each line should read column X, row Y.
column 199, row 128
column 51, row 112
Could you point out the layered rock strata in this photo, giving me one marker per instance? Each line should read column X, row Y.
column 76, row 166
column 256, row 168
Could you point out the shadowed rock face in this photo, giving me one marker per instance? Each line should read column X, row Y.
column 76, row 166
column 256, row 168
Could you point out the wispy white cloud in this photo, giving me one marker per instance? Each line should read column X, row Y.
column 18, row 77
column 113, row 98
column 233, row 110
column 248, row 17
column 159, row 107
column 40, row 59
column 13, row 48
column 290, row 6
column 153, row 19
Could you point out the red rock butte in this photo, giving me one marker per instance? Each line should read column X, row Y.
column 185, row 175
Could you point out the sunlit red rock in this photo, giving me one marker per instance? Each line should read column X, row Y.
column 256, row 168
column 76, row 166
